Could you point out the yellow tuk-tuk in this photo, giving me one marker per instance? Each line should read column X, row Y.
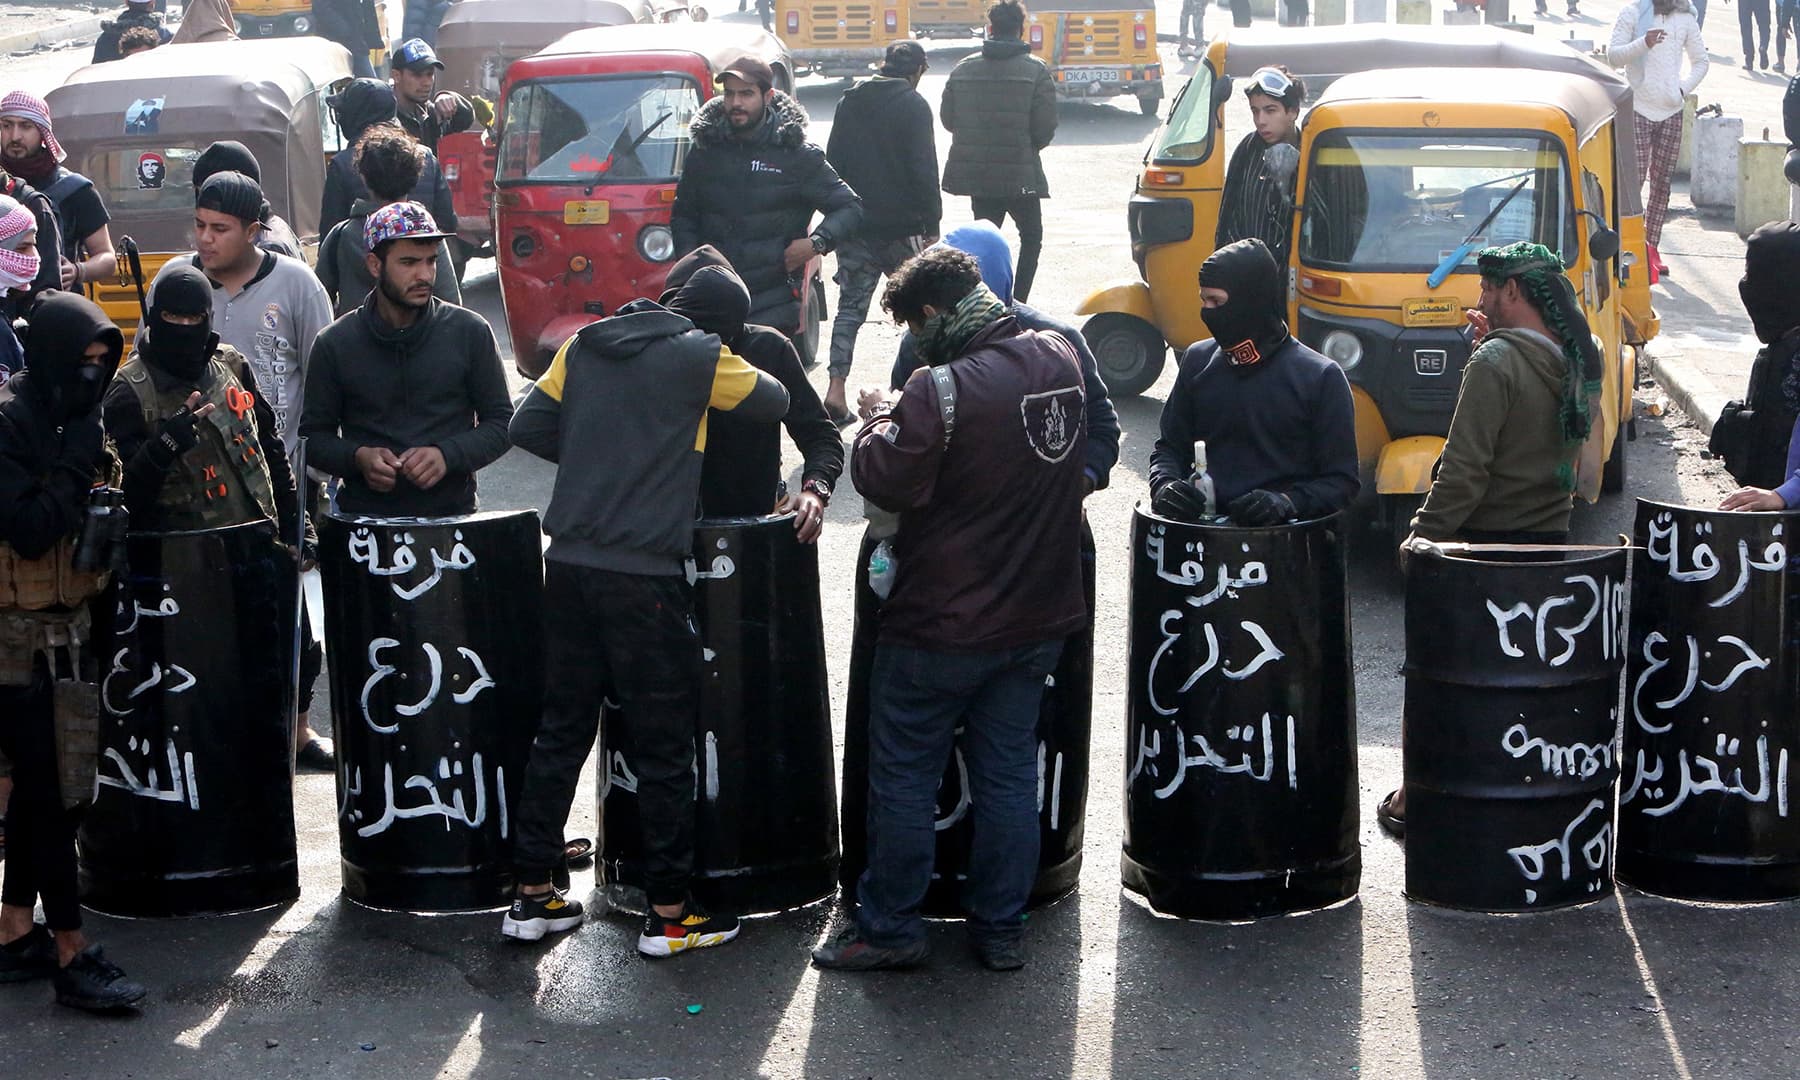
column 1175, row 212
column 947, row 18
column 1098, row 48
column 135, row 126
column 1401, row 172
column 840, row 38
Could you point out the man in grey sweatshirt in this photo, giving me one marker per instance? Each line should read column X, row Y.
column 625, row 404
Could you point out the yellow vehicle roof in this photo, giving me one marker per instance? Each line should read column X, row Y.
column 1584, row 101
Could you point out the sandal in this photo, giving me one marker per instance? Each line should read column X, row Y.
column 578, row 853
column 1391, row 820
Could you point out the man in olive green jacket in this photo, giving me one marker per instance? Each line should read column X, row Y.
column 1000, row 109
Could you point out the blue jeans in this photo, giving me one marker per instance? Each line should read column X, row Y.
column 917, row 699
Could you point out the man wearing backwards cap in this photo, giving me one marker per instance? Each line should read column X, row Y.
column 750, row 187
column 406, row 397
column 29, row 150
column 1528, row 401
column 425, row 115
column 229, row 156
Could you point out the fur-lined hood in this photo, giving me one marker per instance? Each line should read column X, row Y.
column 784, row 123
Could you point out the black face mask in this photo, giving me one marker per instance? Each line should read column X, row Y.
column 181, row 350
column 1248, row 326
column 81, row 395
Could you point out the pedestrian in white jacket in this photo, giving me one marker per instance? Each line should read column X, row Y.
column 1649, row 40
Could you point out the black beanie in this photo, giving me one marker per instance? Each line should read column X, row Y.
column 225, row 156
column 232, row 193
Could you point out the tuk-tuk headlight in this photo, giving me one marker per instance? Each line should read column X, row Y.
column 302, row 24
column 1342, row 348
column 656, row 243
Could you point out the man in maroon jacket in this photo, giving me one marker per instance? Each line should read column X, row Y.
column 981, row 456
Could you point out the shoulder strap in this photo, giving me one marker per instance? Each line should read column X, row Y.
column 64, row 186
column 944, row 385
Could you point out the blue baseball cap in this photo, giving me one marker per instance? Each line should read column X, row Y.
column 414, row 54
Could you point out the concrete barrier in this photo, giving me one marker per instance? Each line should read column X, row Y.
column 1715, row 176
column 1684, row 158
column 1412, row 12
column 1328, row 13
column 1498, row 12
column 1454, row 16
column 1370, row 11
column 1762, row 190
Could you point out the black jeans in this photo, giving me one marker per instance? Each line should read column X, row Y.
column 629, row 639
column 40, row 831
column 1787, row 21
column 1028, row 214
column 1759, row 11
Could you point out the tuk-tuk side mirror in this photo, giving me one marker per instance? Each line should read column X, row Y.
column 1221, row 91
column 1603, row 245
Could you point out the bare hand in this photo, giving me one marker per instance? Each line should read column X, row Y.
column 424, row 466
column 809, row 516
column 379, row 467
column 1478, row 323
column 796, row 254
column 1653, row 38
column 445, row 106
column 867, row 400
column 68, row 274
column 200, row 411
column 1750, row 498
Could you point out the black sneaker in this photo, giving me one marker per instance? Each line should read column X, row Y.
column 96, row 984
column 695, row 929
column 30, row 957
column 532, row 917
column 999, row 953
column 850, row 951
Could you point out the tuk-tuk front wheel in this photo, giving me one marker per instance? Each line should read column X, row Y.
column 811, row 329
column 1129, row 351
column 1147, row 104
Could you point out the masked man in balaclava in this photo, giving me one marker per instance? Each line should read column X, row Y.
column 53, row 451
column 1754, row 437
column 1276, row 417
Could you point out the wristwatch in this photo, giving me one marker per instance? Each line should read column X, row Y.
column 818, row 487
column 821, row 243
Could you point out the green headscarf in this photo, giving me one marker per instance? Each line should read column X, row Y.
column 946, row 333
column 1539, row 272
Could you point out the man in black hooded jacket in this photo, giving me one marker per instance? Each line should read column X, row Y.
column 362, row 105
column 52, row 451
column 750, row 187
column 741, row 475
column 1752, row 436
column 1276, row 417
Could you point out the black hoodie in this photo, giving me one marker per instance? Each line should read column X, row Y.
column 362, row 105
column 48, row 459
column 884, row 145
column 743, row 457
column 624, row 405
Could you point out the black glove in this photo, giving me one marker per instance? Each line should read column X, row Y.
column 176, row 436
column 84, row 446
column 1178, row 501
column 1261, row 507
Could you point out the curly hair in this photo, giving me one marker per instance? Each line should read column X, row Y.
column 940, row 277
column 389, row 161
column 138, row 38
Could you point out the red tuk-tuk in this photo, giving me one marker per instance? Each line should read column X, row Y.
column 593, row 133
column 478, row 41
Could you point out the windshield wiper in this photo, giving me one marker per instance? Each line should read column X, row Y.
column 628, row 151
column 1455, row 258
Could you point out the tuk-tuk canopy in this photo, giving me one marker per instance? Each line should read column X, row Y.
column 134, row 127
column 1582, row 100
column 1328, row 53
column 474, row 30
column 717, row 43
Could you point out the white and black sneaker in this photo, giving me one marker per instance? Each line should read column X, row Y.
column 532, row 917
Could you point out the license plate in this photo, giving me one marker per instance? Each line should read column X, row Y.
column 1434, row 311
column 1091, row 75
column 586, row 212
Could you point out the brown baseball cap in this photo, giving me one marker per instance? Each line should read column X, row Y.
column 749, row 69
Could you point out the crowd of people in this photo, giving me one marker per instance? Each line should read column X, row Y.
column 994, row 427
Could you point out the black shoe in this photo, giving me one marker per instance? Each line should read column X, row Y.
column 317, row 754
column 999, row 953
column 531, row 917
column 850, row 951
column 96, row 984
column 694, row 929
column 30, row 957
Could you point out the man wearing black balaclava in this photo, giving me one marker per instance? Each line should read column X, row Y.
column 1755, row 437
column 52, row 452
column 741, row 474
column 1276, row 417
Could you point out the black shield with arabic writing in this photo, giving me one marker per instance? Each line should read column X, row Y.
column 1053, row 421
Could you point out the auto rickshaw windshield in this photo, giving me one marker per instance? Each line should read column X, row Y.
column 609, row 129
column 1188, row 134
column 1401, row 203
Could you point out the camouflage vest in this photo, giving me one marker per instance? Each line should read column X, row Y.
column 223, row 480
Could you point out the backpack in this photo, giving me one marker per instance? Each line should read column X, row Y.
column 1751, row 435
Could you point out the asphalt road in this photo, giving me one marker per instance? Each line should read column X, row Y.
column 1379, row 986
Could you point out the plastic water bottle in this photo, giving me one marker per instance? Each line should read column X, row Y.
column 1203, row 483
column 882, row 569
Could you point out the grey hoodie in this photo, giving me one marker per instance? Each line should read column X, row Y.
column 624, row 405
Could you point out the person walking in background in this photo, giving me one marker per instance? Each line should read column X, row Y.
column 999, row 107
column 623, row 411
column 1787, row 24
column 884, row 145
column 389, row 162
column 1193, row 15
column 1757, row 12
column 1651, row 39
